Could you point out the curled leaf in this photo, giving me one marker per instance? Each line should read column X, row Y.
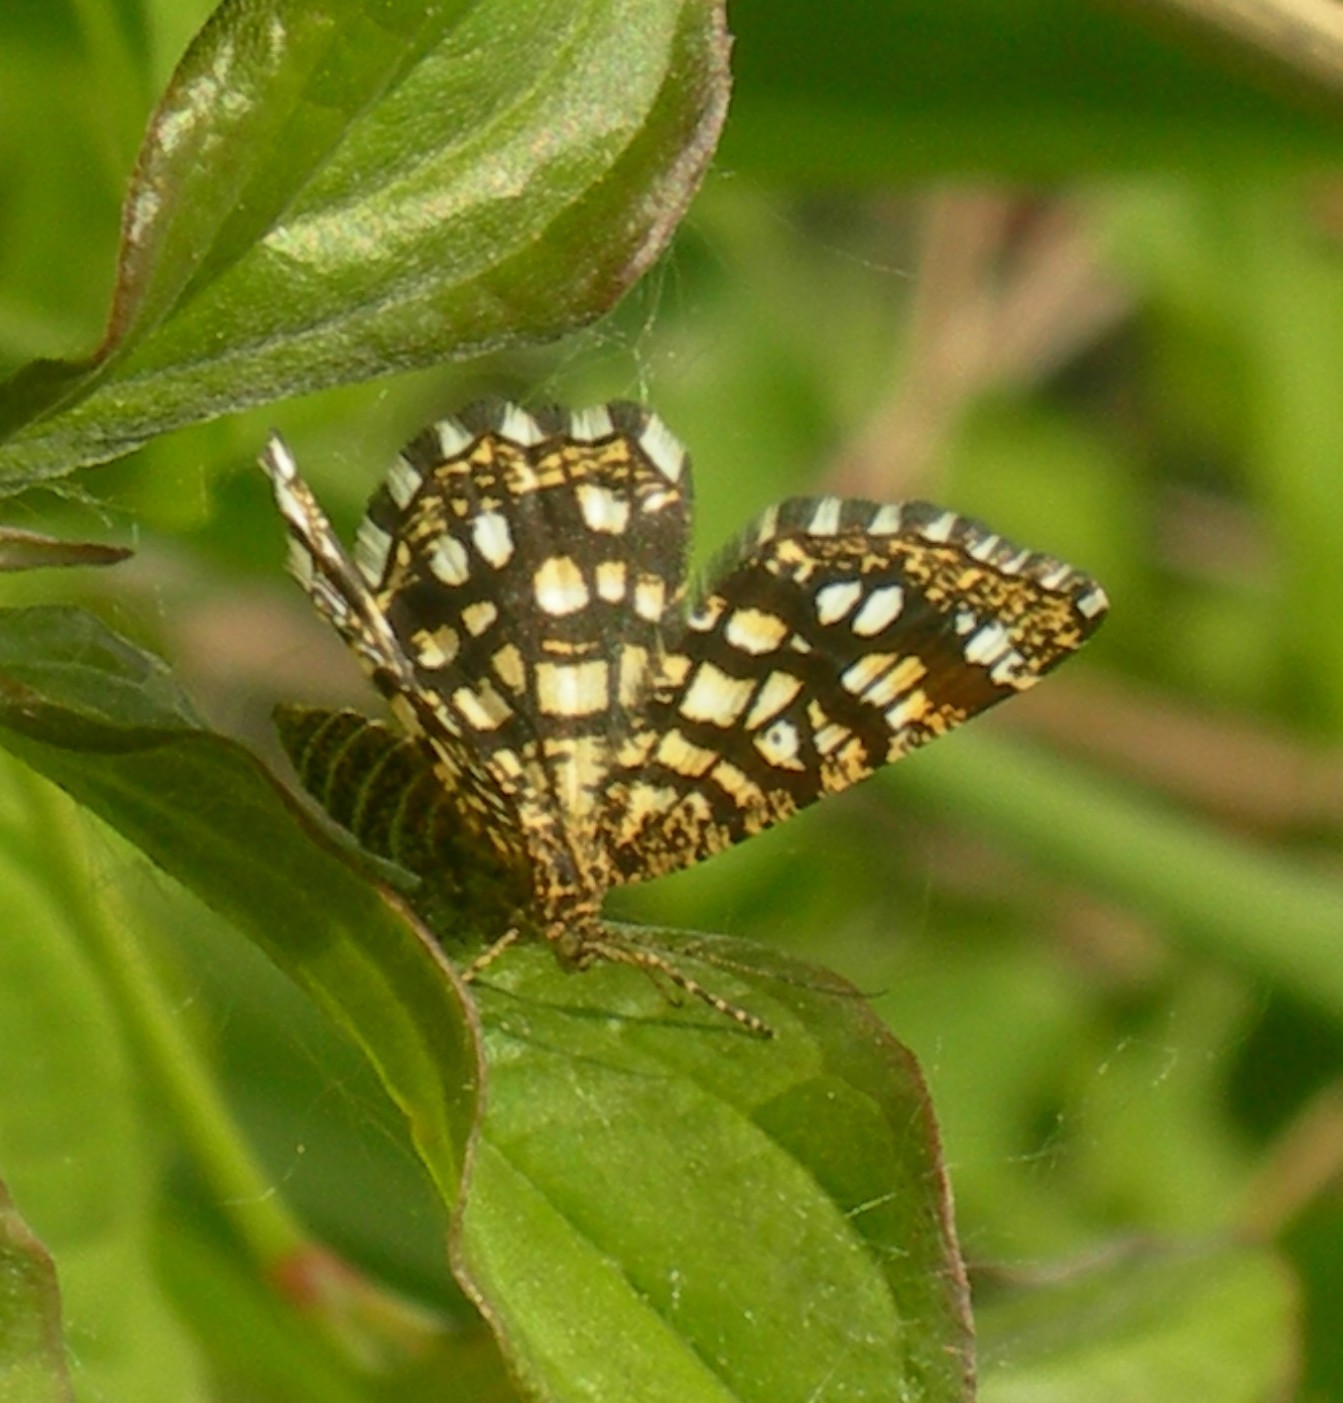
column 32, row 1352
column 332, row 192
column 30, row 550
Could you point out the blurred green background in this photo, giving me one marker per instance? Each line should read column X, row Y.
column 1074, row 276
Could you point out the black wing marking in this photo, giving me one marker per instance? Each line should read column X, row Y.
column 837, row 637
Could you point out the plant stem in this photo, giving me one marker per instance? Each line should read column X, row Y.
column 1217, row 895
column 172, row 1062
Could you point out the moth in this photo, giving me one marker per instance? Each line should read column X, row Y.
column 568, row 717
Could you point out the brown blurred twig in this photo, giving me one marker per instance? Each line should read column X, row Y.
column 1304, row 1165
column 1296, row 44
column 1239, row 771
column 1005, row 291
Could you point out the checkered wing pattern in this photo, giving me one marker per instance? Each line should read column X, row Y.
column 836, row 637
column 517, row 591
column 344, row 596
column 519, row 569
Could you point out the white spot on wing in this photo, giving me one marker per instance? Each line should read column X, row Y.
column 681, row 755
column 448, row 561
column 573, row 689
column 778, row 691
column 479, row 616
column 831, row 736
column 588, row 425
column 510, row 669
column 767, row 524
column 834, row 601
column 650, row 598
column 938, row 530
column 493, row 539
column 905, row 713
column 886, row 688
column 611, row 580
column 299, row 561
column 987, row 644
column 403, row 482
column 452, row 438
column 736, row 783
column 371, row 547
column 517, row 426
column 674, row 670
column 290, row 503
column 664, row 450
column 560, row 587
column 779, row 746
column 484, row 708
column 1093, row 603
column 715, row 697
column 436, row 649
column 825, row 519
column 1011, row 670
column 602, row 509
column 754, row 631
column 860, row 675
column 887, row 520
column 708, row 614
column 880, row 609
column 633, row 673
column 646, row 799
column 278, row 461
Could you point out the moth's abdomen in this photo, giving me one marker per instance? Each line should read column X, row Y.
column 381, row 786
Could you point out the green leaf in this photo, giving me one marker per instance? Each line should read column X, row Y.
column 1211, row 1326
column 741, row 1219
column 74, row 1151
column 99, row 678
column 659, row 1205
column 32, row 1357
column 331, row 192
column 208, row 812
column 1269, row 913
column 863, row 93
